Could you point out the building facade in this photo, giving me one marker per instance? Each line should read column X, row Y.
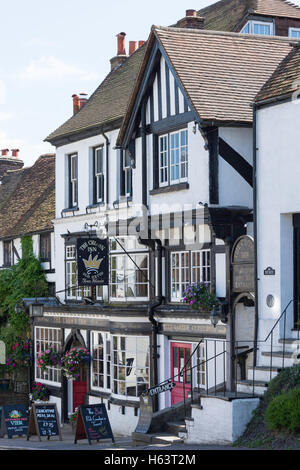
column 159, row 160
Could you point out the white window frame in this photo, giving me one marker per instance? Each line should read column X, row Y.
column 132, row 252
column 297, row 30
column 127, row 169
column 106, row 359
column 252, row 23
column 44, row 344
column 74, row 179
column 166, row 161
column 186, row 274
column 99, row 174
column 73, row 293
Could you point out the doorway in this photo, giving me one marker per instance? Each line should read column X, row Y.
column 180, row 355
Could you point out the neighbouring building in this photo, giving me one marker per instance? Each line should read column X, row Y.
column 27, row 207
column 277, row 204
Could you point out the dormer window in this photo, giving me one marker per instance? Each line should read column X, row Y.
column 259, row 27
column 294, row 32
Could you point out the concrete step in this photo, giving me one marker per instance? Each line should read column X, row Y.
column 176, row 427
column 246, row 386
column 277, row 358
column 157, row 438
column 165, row 438
column 262, row 373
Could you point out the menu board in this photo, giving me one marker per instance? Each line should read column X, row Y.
column 93, row 423
column 15, row 420
column 44, row 421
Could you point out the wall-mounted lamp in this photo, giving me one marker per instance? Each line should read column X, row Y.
column 36, row 310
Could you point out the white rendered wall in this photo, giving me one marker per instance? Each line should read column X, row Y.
column 233, row 189
column 278, row 197
column 220, row 421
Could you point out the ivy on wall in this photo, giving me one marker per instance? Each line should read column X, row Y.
column 22, row 280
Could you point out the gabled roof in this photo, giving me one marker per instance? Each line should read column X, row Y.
column 229, row 15
column 109, row 101
column 285, row 79
column 30, row 205
column 220, row 73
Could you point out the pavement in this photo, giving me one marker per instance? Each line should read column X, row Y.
column 121, row 444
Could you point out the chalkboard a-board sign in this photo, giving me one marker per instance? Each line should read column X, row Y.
column 93, row 424
column 14, row 420
column 44, row 421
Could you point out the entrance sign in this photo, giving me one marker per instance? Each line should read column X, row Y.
column 269, row 271
column 44, row 421
column 146, row 414
column 242, row 260
column 14, row 420
column 92, row 262
column 161, row 388
column 93, row 424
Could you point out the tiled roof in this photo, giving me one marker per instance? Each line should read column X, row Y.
column 30, row 204
column 221, row 73
column 108, row 103
column 227, row 15
column 285, row 79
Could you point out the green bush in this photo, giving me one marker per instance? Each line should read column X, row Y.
column 277, row 413
column 283, row 412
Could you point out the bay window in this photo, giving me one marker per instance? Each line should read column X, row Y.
column 258, row 27
column 73, row 291
column 101, row 360
column 129, row 272
column 188, row 267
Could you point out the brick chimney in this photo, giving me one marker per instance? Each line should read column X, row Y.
column 191, row 20
column 133, row 45
column 76, row 103
column 10, row 162
column 121, row 52
column 83, row 97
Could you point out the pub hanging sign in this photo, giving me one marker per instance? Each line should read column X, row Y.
column 92, row 262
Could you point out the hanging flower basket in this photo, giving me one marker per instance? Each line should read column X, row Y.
column 199, row 297
column 49, row 357
column 19, row 356
column 72, row 362
column 39, row 392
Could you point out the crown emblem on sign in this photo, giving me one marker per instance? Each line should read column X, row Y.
column 92, row 264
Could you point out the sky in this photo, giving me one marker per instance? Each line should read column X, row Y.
column 51, row 50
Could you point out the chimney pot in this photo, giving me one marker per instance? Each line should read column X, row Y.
column 4, row 152
column 15, row 152
column 76, row 103
column 133, row 45
column 191, row 13
column 121, row 44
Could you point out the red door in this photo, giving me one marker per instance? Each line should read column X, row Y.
column 180, row 355
column 79, row 390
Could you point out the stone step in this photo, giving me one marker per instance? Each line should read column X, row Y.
column 262, row 373
column 176, row 427
column 246, row 386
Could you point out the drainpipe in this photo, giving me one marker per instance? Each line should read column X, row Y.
column 255, row 233
column 107, row 165
column 151, row 312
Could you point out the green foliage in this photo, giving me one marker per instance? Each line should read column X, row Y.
column 283, row 412
column 24, row 279
column 279, row 384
